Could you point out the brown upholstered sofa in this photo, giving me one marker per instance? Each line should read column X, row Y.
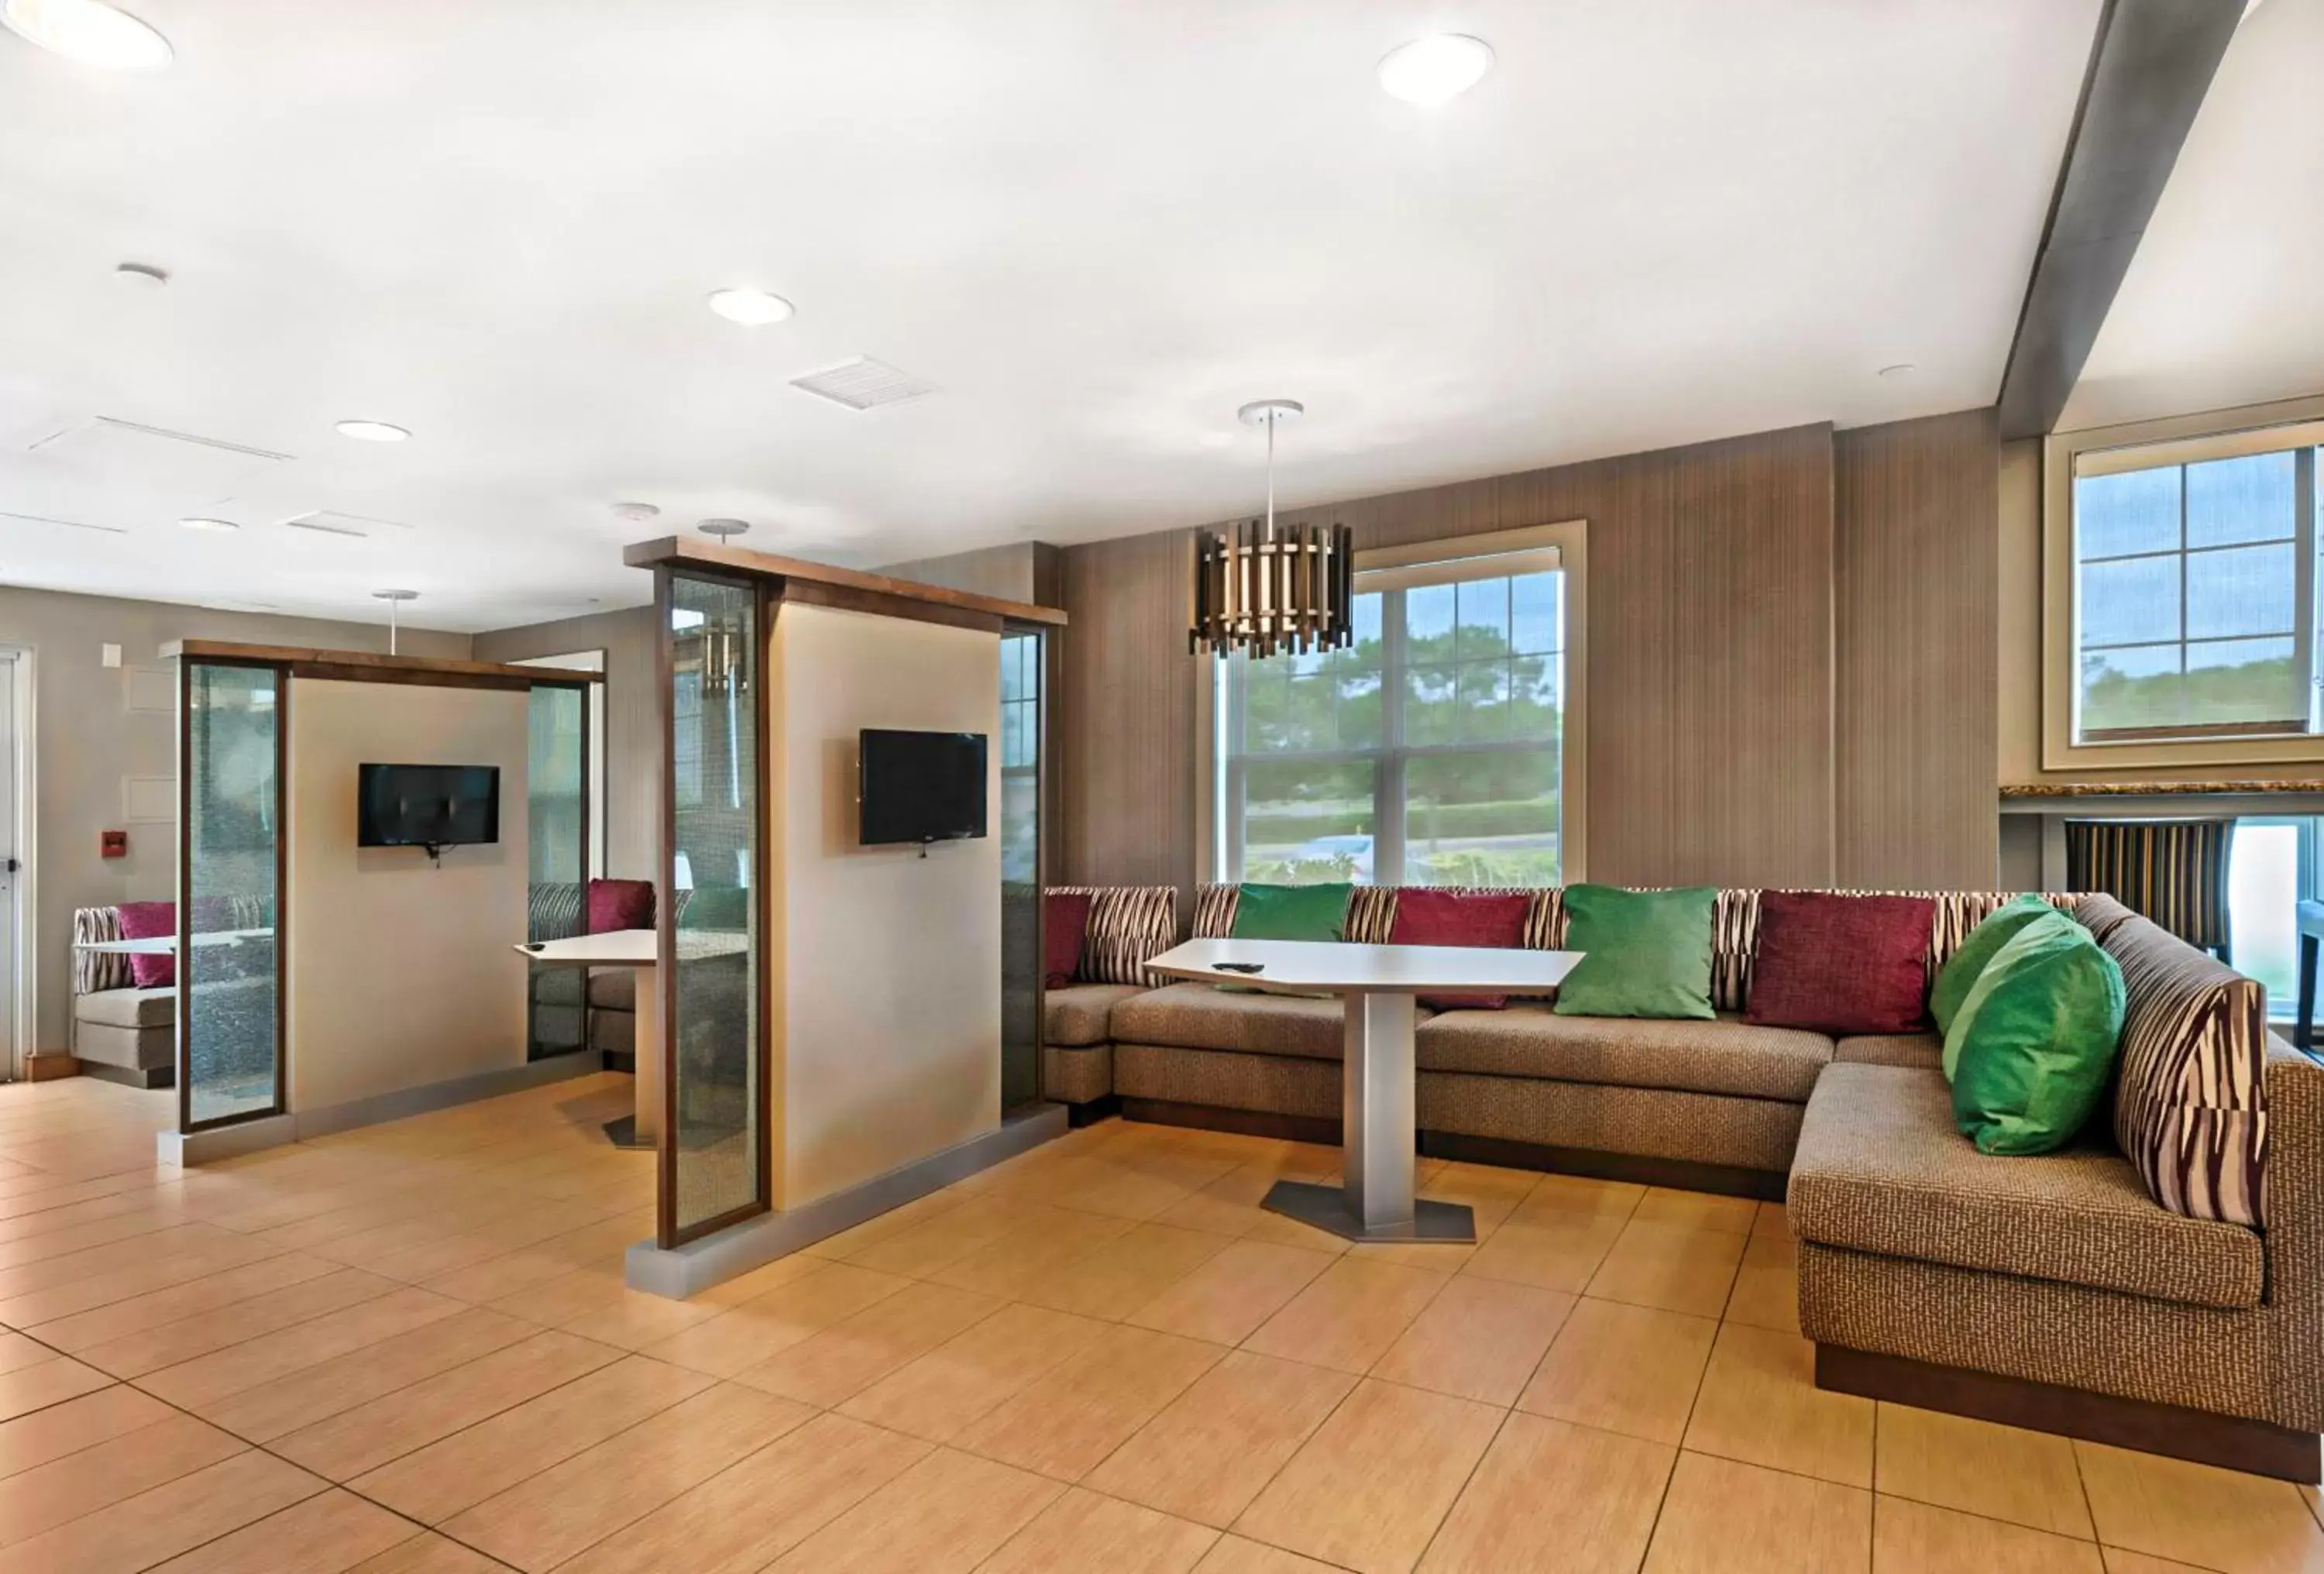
column 2050, row 1292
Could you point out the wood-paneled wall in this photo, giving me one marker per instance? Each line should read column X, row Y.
column 1716, row 732
column 1917, row 574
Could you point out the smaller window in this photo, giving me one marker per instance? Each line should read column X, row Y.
column 2195, row 579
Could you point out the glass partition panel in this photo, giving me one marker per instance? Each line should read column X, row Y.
column 229, row 1048
column 712, row 1152
column 1021, row 868
column 557, row 815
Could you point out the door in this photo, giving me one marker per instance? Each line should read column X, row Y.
column 11, row 861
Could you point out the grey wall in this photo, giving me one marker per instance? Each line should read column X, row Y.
column 90, row 741
column 632, row 746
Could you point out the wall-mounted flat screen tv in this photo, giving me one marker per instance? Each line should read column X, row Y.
column 427, row 805
column 919, row 786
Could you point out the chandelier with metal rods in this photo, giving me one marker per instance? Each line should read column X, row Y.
column 1264, row 588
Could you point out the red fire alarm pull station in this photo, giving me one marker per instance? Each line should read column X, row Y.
column 114, row 844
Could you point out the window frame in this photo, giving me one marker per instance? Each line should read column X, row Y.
column 1491, row 555
column 2187, row 439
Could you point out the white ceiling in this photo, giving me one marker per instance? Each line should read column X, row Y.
column 1098, row 229
column 2222, row 305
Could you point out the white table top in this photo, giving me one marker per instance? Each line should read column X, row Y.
column 167, row 944
column 1344, row 969
column 633, row 948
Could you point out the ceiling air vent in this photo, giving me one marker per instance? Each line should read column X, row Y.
column 68, row 524
column 330, row 522
column 111, row 452
column 863, row 383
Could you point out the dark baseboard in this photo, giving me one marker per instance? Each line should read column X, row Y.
column 1315, row 1129
column 2232, row 1442
column 1090, row 1111
column 131, row 1076
column 619, row 1060
column 1680, row 1174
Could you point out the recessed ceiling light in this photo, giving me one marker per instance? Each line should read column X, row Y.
column 88, row 31
column 1434, row 69
column 636, row 512
column 205, row 524
column 1899, row 371
column 750, row 307
column 372, row 431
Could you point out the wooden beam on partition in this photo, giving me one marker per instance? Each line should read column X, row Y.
column 2150, row 67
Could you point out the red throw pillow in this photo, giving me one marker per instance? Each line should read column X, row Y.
column 1843, row 965
column 611, row 905
column 1065, row 926
column 149, row 920
column 1428, row 917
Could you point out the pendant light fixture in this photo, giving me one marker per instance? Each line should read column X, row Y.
column 1263, row 588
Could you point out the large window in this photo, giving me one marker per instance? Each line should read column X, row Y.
column 1429, row 752
column 2194, row 570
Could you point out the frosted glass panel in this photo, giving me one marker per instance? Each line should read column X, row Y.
column 229, row 1050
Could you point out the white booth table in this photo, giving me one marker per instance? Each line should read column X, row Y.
column 167, row 944
column 1379, row 985
column 639, row 951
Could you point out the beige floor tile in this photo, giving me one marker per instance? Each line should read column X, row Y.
column 1556, row 1199
column 29, row 1442
column 272, row 1409
column 158, row 1524
column 939, row 1242
column 857, row 1351
column 2002, row 1472
column 1697, row 1210
column 634, row 1319
column 47, row 1495
column 170, row 1344
column 771, row 1324
column 1673, row 1266
column 432, row 1483
column 1630, row 1369
column 974, row 1372
column 2195, row 1513
column 329, row 1533
column 428, row 1553
column 2120, row 1562
column 1370, row 1486
column 1082, row 1531
column 1555, row 1498
column 1208, row 1454
column 1045, row 1240
column 49, row 1380
column 1479, row 1338
column 1234, row 1555
column 1125, row 1273
column 209, row 1379
column 945, row 1515
column 1554, row 1251
column 745, row 1517
column 239, row 1288
column 1766, row 1292
column 1722, row 1517
column 840, row 1247
column 363, row 1439
column 762, row 1280
column 1226, row 1299
column 1759, row 1404
column 1068, row 1421
column 1913, row 1538
column 1771, row 1223
column 541, row 1521
column 1349, row 1316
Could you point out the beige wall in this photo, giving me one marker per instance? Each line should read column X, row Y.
column 632, row 809
column 93, row 737
column 887, row 1016
column 402, row 972
column 1022, row 571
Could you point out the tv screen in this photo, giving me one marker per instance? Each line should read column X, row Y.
column 427, row 805
column 920, row 786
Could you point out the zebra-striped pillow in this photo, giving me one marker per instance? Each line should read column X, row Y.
column 1129, row 925
column 2190, row 1108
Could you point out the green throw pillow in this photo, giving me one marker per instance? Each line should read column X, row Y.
column 1645, row 953
column 1976, row 948
column 1291, row 912
column 2032, row 1046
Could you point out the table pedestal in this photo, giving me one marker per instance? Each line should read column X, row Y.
column 1375, row 1200
column 643, row 1129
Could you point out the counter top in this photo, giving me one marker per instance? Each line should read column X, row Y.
column 2154, row 790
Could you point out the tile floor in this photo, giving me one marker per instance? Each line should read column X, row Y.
column 408, row 1351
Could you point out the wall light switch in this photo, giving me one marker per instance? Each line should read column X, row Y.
column 111, row 654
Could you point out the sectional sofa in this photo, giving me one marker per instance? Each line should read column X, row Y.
column 2159, row 1285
